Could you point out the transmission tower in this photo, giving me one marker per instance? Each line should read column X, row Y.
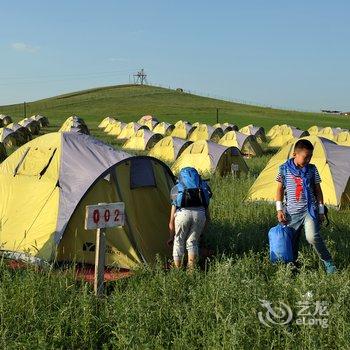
column 140, row 77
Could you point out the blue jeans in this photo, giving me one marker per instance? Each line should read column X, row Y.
column 312, row 233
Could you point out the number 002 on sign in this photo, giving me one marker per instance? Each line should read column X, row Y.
column 104, row 215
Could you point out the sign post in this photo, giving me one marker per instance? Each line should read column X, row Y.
column 100, row 217
column 100, row 261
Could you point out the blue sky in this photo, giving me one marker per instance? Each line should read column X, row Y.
column 293, row 54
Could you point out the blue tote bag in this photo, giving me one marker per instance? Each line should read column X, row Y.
column 280, row 241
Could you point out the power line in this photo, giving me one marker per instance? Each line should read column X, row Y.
column 44, row 80
column 2, row 76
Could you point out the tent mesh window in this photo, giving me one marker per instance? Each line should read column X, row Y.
column 141, row 173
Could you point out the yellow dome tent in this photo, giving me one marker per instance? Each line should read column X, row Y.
column 329, row 133
column 256, row 131
column 108, row 127
column 329, row 159
column 314, row 130
column 46, row 184
column 148, row 120
column 142, row 140
column 164, row 128
column 115, row 129
column 169, row 148
column 129, row 130
column 277, row 129
column 343, row 138
column 285, row 134
column 107, row 121
column 206, row 132
column 272, row 132
column 209, row 157
column 182, row 130
column 247, row 144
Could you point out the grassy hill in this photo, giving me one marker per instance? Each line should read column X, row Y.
column 129, row 102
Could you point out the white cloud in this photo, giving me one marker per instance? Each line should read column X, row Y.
column 22, row 47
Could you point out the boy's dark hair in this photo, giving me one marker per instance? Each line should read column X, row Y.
column 303, row 144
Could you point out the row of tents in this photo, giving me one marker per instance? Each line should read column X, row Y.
column 199, row 151
column 338, row 135
column 208, row 148
column 17, row 134
column 171, row 142
column 6, row 120
column 207, row 156
column 279, row 135
column 181, row 129
column 46, row 184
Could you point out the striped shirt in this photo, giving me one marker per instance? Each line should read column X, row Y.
column 295, row 199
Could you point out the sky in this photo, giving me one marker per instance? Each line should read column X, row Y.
column 289, row 54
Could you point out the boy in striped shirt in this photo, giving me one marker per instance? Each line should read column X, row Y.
column 299, row 186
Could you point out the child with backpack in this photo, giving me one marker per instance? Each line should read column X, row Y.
column 189, row 215
column 299, row 186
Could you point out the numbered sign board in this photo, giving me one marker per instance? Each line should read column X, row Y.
column 104, row 215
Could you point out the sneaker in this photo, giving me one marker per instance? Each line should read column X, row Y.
column 330, row 267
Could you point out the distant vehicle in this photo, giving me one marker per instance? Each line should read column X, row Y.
column 330, row 111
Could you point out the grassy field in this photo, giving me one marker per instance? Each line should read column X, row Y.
column 217, row 307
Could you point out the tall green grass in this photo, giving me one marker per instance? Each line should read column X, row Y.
column 212, row 308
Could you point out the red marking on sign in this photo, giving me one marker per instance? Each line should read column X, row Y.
column 107, row 215
column 96, row 216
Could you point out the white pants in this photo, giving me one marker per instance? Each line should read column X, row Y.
column 189, row 224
